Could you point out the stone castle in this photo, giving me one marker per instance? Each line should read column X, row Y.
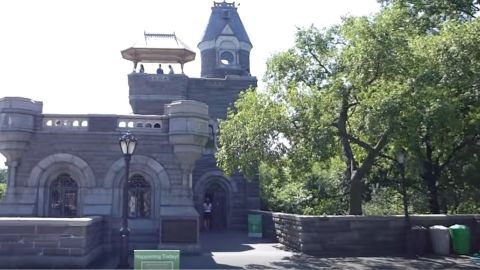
column 70, row 166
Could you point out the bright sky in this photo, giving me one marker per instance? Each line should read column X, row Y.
column 67, row 53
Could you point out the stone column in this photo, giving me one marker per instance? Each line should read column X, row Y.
column 11, row 176
column 188, row 133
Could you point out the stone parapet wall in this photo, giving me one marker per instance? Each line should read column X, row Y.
column 150, row 92
column 50, row 242
column 354, row 235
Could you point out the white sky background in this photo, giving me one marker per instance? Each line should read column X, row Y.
column 67, row 53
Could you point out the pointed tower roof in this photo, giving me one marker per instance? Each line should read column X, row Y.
column 225, row 20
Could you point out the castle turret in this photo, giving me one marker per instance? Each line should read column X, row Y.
column 17, row 124
column 225, row 46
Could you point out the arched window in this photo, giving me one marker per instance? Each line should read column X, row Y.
column 227, row 58
column 139, row 197
column 227, row 53
column 63, row 197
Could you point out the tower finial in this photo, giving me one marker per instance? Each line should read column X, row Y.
column 224, row 4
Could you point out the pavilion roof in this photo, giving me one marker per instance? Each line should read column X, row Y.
column 159, row 48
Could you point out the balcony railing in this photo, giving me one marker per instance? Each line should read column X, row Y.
column 142, row 123
column 107, row 123
column 65, row 122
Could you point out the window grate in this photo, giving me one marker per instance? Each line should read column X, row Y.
column 63, row 197
column 139, row 197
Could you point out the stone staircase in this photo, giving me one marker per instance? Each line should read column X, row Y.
column 144, row 239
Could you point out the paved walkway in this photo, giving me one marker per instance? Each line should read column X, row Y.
column 234, row 250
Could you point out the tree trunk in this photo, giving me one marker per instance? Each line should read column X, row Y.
column 356, row 187
column 354, row 182
column 431, row 183
column 355, row 196
column 355, row 172
column 430, row 176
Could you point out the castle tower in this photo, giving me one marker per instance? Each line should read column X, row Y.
column 225, row 46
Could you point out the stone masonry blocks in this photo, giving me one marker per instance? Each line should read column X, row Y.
column 37, row 239
column 353, row 235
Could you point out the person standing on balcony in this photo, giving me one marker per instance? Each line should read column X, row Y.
column 159, row 69
column 170, row 69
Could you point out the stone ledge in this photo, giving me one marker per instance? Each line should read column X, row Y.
column 35, row 261
column 353, row 235
column 42, row 221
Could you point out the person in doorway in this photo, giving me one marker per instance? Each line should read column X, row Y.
column 159, row 69
column 170, row 69
column 207, row 214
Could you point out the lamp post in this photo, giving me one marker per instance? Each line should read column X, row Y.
column 127, row 142
column 401, row 163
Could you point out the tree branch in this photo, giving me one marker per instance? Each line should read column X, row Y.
column 342, row 133
column 455, row 150
column 359, row 142
column 314, row 56
column 353, row 104
column 382, row 142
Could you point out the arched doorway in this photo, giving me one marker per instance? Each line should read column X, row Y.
column 63, row 197
column 218, row 196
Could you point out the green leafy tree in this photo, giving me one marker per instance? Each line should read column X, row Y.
column 429, row 15
column 332, row 88
column 442, row 122
column 361, row 90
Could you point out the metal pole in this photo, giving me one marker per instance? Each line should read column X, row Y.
column 124, row 230
column 407, row 242
column 405, row 198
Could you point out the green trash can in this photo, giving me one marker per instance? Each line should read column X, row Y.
column 460, row 235
column 254, row 225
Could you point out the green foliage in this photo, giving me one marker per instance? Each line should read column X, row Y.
column 3, row 175
column 384, row 201
column 310, row 193
column 3, row 183
column 344, row 100
column 429, row 15
column 3, row 188
column 252, row 134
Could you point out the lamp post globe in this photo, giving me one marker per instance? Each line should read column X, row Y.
column 128, row 143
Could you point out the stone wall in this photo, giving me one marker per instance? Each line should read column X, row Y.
column 150, row 92
column 354, row 235
column 219, row 94
column 50, row 242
